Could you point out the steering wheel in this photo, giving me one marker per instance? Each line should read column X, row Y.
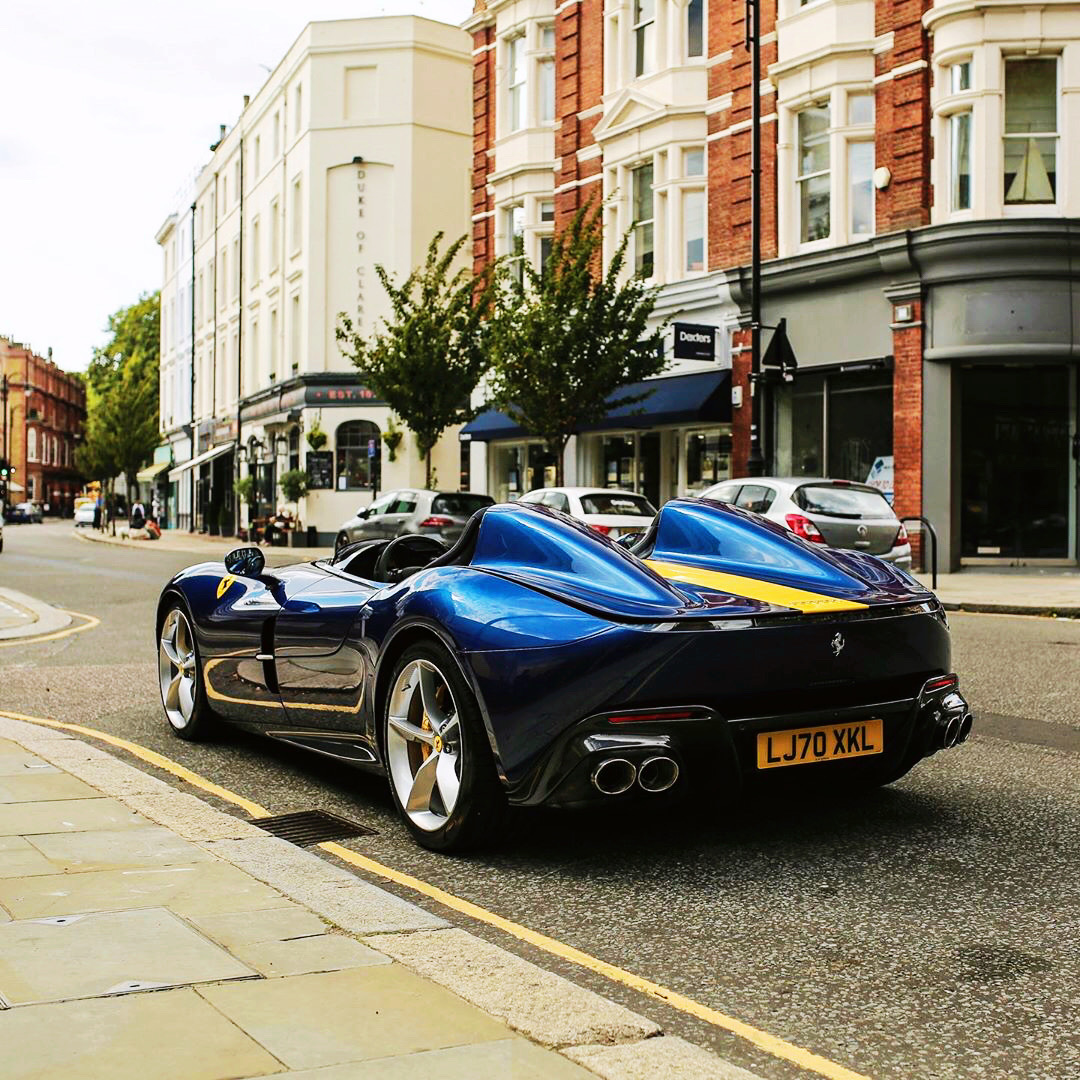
column 407, row 553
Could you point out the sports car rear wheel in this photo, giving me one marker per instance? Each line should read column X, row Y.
column 441, row 770
column 179, row 677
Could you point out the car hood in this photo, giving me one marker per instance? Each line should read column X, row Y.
column 707, row 559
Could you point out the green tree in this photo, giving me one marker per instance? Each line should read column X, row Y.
column 122, row 394
column 566, row 337
column 426, row 362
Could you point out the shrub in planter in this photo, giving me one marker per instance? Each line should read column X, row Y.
column 294, row 485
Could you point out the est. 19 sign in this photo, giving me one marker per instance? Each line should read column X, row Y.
column 694, row 342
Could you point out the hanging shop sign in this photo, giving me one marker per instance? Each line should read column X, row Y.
column 694, row 342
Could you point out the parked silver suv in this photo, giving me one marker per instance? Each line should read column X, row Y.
column 427, row 513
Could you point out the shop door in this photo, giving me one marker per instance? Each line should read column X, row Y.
column 1015, row 462
column 649, row 466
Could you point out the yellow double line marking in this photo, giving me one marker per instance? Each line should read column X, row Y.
column 779, row 1048
column 89, row 624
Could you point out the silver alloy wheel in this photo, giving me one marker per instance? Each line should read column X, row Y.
column 177, row 668
column 423, row 745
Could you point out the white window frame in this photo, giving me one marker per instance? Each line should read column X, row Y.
column 685, row 18
column 1033, row 209
column 643, row 43
column 296, row 216
column 517, row 82
column 639, row 225
column 545, row 62
column 802, row 178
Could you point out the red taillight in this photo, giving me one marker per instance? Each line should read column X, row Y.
column 436, row 522
column 901, row 537
column 944, row 682
column 804, row 527
column 603, row 530
column 668, row 714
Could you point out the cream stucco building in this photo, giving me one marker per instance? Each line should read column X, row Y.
column 353, row 154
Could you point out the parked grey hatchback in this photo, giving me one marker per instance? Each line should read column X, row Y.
column 840, row 513
column 408, row 510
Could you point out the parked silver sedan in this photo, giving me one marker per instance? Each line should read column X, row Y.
column 839, row 513
column 408, row 510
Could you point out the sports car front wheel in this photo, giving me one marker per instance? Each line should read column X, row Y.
column 441, row 769
column 179, row 677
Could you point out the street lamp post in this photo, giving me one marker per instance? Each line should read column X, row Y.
column 755, row 464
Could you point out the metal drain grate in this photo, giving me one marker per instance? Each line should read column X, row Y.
column 311, row 827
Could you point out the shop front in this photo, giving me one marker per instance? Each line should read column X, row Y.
column 1018, row 469
column 676, row 440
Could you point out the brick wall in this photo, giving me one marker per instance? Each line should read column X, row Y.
column 729, row 155
column 907, row 417
column 484, row 74
column 902, row 142
column 579, row 86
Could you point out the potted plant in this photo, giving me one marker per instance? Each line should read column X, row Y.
column 316, row 437
column 392, row 436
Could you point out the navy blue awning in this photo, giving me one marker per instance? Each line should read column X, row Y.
column 701, row 397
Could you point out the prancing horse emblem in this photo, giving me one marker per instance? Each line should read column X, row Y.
column 837, row 643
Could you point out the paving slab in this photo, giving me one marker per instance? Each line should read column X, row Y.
column 19, row 858
column 283, row 923
column 117, row 849
column 538, row 1003
column 302, row 956
column 202, row 889
column 66, row 815
column 23, row 764
column 368, row 1012
column 117, row 952
column 115, row 1038
column 44, row 787
column 669, row 1057
column 515, row 1059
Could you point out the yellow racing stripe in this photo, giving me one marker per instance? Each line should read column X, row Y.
column 752, row 588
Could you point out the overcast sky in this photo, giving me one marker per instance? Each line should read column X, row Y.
column 109, row 108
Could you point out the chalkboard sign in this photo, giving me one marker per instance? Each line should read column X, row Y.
column 320, row 469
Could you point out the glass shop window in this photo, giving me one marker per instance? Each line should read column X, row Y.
column 708, row 459
column 355, row 463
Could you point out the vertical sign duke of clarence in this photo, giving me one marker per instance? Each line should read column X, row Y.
column 361, row 183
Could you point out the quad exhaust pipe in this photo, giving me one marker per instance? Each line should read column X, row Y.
column 614, row 776
column 657, row 774
column 617, row 775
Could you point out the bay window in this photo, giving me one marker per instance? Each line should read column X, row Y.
column 814, row 177
column 1030, row 136
column 546, row 75
column 960, row 160
column 644, row 36
column 515, row 82
column 693, row 213
column 643, row 217
column 695, row 29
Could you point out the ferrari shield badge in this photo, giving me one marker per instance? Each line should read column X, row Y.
column 223, row 585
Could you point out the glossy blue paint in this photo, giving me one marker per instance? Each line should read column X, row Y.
column 556, row 628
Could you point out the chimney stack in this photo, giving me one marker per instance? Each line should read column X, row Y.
column 247, row 100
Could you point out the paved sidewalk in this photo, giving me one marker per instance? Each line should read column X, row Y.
column 201, row 544
column 144, row 934
column 1022, row 591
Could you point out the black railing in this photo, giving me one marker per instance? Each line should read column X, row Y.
column 933, row 545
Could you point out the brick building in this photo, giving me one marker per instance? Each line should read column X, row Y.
column 916, row 228
column 42, row 419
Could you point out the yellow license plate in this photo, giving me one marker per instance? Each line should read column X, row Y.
column 833, row 742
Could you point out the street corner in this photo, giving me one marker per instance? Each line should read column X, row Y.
column 23, row 616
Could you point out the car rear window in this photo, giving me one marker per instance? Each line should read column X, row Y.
column 459, row 503
column 604, row 502
column 848, row 502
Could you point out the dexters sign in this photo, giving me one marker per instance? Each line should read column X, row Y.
column 694, row 342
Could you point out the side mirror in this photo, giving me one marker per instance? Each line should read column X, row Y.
column 245, row 561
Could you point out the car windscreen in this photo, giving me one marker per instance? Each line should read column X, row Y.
column 605, row 502
column 846, row 502
column 459, row 504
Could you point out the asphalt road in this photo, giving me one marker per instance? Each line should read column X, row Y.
column 927, row 930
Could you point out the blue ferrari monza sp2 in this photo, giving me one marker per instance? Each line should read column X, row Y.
column 536, row 662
